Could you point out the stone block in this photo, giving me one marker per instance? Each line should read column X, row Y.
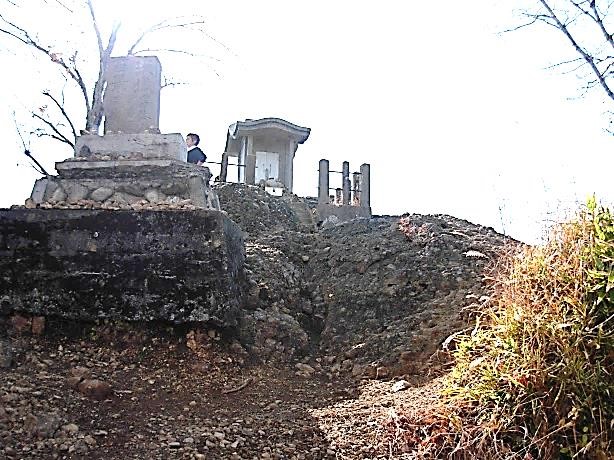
column 38, row 191
column 196, row 185
column 52, row 186
column 137, row 146
column 58, row 195
column 101, row 193
column 76, row 192
column 154, row 196
column 132, row 96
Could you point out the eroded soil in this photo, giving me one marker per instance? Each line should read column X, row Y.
column 184, row 395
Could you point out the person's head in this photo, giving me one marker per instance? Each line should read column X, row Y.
column 192, row 139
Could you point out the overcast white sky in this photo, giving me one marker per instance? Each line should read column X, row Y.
column 453, row 117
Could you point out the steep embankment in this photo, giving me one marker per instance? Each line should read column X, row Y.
column 374, row 297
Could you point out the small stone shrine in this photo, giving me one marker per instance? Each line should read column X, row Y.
column 265, row 151
column 132, row 166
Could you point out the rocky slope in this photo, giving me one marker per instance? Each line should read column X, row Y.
column 325, row 313
column 367, row 294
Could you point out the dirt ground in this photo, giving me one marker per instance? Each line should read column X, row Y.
column 181, row 394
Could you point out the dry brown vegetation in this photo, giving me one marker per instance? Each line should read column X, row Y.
column 534, row 378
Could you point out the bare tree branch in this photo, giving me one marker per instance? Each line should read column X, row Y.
column 41, row 170
column 63, row 112
column 599, row 20
column 27, row 39
column 562, row 63
column 587, row 57
column 58, row 135
column 23, row 142
column 38, row 168
column 92, row 92
column 96, row 110
column 142, row 36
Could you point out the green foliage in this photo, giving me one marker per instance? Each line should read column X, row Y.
column 535, row 377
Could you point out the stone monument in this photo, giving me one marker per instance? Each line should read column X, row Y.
column 132, row 166
column 126, row 231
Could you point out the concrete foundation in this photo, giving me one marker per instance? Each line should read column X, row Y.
column 86, row 265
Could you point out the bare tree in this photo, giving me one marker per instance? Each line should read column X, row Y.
column 587, row 27
column 58, row 119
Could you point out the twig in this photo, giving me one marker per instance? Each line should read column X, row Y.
column 29, row 155
column 239, row 388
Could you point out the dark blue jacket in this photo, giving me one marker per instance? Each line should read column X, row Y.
column 195, row 155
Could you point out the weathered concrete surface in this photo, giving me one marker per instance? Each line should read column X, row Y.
column 139, row 146
column 175, row 266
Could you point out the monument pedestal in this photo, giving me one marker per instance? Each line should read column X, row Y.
column 127, row 171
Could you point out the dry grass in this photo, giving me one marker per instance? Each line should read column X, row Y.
column 534, row 378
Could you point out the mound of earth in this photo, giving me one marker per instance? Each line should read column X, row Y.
column 374, row 297
column 325, row 312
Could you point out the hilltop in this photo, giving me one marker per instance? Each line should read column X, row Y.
column 333, row 318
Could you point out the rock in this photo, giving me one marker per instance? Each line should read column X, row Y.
column 21, row 324
column 347, row 365
column 71, row 428
column 174, row 445
column 80, row 372
column 89, row 440
column 305, row 369
column 42, row 426
column 305, row 259
column 6, row 354
column 73, row 382
column 94, row 388
column 124, row 198
column 382, row 372
column 369, row 372
column 154, row 196
column 358, row 370
column 38, row 325
column 101, row 194
column 58, row 195
column 75, row 192
column 400, row 386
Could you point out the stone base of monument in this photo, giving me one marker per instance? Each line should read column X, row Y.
column 125, row 265
column 126, row 184
column 127, row 171
column 140, row 146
